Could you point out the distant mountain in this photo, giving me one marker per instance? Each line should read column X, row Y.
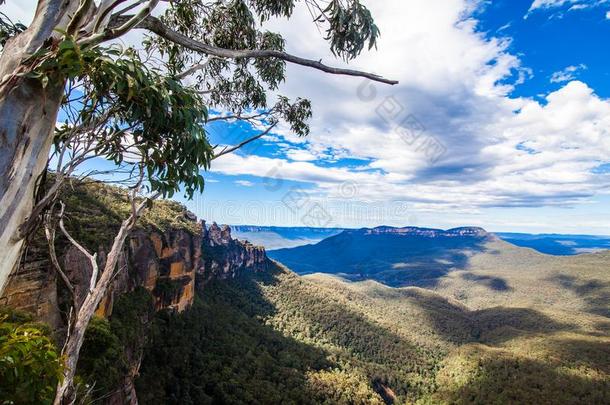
column 277, row 237
column 393, row 256
column 274, row 237
column 557, row 244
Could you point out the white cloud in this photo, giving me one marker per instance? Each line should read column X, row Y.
column 570, row 134
column 567, row 74
column 244, row 183
column 574, row 4
column 20, row 11
column 300, row 155
column 607, row 15
column 454, row 80
column 457, row 82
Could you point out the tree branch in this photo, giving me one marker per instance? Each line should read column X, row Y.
column 155, row 25
column 239, row 117
column 49, row 232
column 193, row 69
column 127, row 25
column 106, row 8
column 78, row 16
column 226, row 151
column 92, row 257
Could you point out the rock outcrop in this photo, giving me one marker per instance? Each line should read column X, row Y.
column 168, row 264
column 225, row 257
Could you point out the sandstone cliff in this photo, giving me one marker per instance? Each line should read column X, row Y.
column 225, row 257
column 169, row 264
column 171, row 255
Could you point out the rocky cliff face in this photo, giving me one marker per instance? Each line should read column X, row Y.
column 168, row 264
column 425, row 232
column 225, row 257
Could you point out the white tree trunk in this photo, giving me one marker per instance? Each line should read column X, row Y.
column 27, row 119
column 87, row 309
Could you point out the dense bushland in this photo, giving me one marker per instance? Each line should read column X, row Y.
column 283, row 338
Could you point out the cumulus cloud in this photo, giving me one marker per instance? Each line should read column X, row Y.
column 455, row 89
column 566, row 139
column 501, row 151
column 244, row 183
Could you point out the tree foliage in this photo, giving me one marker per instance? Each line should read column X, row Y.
column 280, row 338
column 30, row 366
column 121, row 109
column 141, row 112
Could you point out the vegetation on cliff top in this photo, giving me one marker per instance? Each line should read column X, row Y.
column 94, row 212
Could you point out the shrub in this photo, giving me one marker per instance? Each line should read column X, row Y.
column 30, row 366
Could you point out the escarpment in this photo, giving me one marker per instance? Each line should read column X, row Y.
column 225, row 257
column 169, row 264
column 171, row 255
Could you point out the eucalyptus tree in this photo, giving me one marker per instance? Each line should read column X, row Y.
column 145, row 114
column 160, row 143
column 221, row 42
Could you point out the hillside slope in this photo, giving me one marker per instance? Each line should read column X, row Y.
column 277, row 337
column 504, row 274
column 466, row 264
column 393, row 256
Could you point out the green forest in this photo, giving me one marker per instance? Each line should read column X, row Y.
column 280, row 338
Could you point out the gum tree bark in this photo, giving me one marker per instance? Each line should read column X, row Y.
column 27, row 120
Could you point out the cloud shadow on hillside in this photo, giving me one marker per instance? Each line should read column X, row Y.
column 498, row 324
column 220, row 351
column 503, row 377
column 595, row 293
column 493, row 283
column 394, row 260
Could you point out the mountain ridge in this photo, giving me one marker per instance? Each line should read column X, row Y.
column 393, row 256
column 420, row 231
column 557, row 244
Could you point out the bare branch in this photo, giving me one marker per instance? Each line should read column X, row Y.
column 155, row 25
column 28, row 226
column 78, row 16
column 240, row 117
column 106, row 8
column 129, row 8
column 193, row 69
column 49, row 232
column 92, row 257
column 226, row 151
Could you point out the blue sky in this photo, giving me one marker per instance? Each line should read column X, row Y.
column 501, row 120
column 530, row 64
column 549, row 40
